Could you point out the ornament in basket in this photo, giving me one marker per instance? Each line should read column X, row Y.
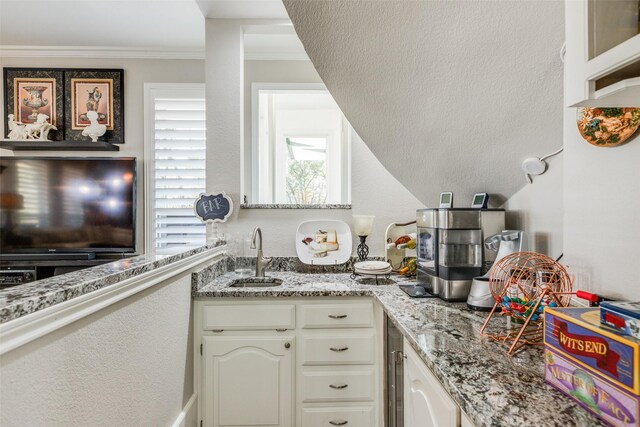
column 522, row 284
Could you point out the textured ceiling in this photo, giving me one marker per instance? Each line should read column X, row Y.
column 449, row 95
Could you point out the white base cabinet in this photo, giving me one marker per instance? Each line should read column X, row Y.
column 348, row 417
column 314, row 362
column 426, row 403
column 248, row 381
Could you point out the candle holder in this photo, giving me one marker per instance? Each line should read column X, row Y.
column 363, row 249
column 363, row 225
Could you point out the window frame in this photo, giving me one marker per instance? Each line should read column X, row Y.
column 345, row 170
column 151, row 92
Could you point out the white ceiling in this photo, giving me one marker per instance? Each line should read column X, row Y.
column 136, row 25
column 449, row 95
column 170, row 24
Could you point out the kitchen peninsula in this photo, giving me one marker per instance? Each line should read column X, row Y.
column 490, row 388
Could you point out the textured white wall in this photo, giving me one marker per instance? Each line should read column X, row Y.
column 130, row 364
column 601, row 220
column 587, row 206
column 449, row 95
column 538, row 209
column 373, row 189
column 136, row 73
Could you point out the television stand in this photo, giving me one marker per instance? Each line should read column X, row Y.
column 82, row 256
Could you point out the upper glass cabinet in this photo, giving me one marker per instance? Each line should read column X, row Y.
column 612, row 23
column 602, row 60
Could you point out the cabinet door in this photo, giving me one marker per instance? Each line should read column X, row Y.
column 426, row 403
column 248, row 380
column 602, row 61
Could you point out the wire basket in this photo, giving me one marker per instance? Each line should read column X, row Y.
column 522, row 284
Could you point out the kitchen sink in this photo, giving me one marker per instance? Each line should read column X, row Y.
column 256, row 282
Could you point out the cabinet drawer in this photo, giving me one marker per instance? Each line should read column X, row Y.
column 338, row 349
column 248, row 317
column 333, row 386
column 355, row 315
column 347, row 417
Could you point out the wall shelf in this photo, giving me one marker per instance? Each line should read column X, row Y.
column 35, row 145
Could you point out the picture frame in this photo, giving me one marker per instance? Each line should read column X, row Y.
column 100, row 90
column 32, row 91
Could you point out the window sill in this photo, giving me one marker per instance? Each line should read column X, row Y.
column 277, row 206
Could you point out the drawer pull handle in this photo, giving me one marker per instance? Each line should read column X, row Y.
column 338, row 387
column 337, row 316
column 338, row 422
column 339, row 349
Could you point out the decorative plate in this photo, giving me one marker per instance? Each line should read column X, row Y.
column 607, row 127
column 324, row 242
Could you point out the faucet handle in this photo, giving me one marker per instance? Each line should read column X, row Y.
column 267, row 260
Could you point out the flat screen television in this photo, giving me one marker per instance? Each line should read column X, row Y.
column 67, row 205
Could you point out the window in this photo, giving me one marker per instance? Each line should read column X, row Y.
column 300, row 146
column 175, row 150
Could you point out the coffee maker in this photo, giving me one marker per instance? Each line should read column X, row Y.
column 449, row 248
column 504, row 243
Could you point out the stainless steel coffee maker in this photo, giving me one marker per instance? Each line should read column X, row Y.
column 450, row 251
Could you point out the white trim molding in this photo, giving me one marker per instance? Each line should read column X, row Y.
column 25, row 329
column 187, row 417
column 14, row 51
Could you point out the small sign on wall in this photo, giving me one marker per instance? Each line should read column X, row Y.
column 213, row 207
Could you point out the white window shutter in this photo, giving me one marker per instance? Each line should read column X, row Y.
column 179, row 149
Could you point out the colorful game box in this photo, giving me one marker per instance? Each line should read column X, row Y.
column 608, row 402
column 622, row 316
column 577, row 334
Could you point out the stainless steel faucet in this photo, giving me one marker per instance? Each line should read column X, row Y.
column 261, row 261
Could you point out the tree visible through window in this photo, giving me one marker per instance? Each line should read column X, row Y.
column 307, row 171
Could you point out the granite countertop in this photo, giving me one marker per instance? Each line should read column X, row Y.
column 491, row 387
column 18, row 301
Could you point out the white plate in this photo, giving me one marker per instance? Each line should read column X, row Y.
column 372, row 265
column 320, row 252
column 373, row 273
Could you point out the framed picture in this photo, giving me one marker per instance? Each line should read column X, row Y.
column 101, row 91
column 30, row 92
column 91, row 94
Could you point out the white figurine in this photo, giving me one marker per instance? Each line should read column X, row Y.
column 16, row 129
column 95, row 129
column 38, row 130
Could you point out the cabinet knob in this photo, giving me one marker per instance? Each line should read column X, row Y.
column 339, row 348
column 338, row 387
column 287, row 345
column 338, row 422
column 337, row 316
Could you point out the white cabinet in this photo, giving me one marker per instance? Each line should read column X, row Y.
column 339, row 416
column 338, row 348
column 248, row 380
column 307, row 362
column 338, row 376
column 426, row 403
column 602, row 61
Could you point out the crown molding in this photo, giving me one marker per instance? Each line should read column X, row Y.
column 12, row 51
column 275, row 56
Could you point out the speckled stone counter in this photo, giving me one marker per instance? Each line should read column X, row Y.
column 18, row 301
column 492, row 388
